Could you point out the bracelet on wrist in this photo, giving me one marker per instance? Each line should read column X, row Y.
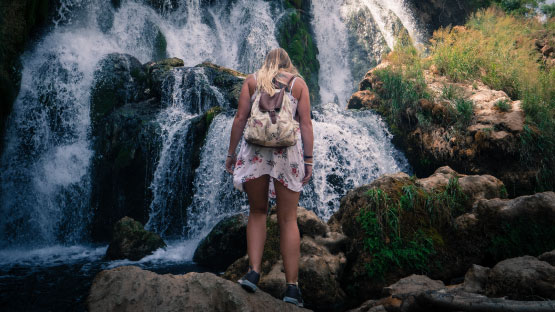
column 307, row 164
column 307, row 156
column 230, row 155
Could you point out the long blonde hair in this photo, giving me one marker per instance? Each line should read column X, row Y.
column 277, row 60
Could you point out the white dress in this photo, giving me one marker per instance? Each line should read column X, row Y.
column 285, row 164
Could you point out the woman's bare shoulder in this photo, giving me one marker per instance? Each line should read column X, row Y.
column 299, row 87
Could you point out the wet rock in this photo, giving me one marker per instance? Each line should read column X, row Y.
column 158, row 72
column 126, row 145
column 119, row 79
column 226, row 243
column 548, row 257
column 541, row 205
column 364, row 99
column 320, row 268
column 129, row 288
column 131, row 241
column 478, row 227
column 228, row 81
column 309, row 223
column 475, row 279
column 413, row 284
column 522, row 278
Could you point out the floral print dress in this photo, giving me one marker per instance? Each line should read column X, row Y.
column 285, row 164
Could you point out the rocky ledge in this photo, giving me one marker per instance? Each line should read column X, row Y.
column 432, row 133
column 129, row 288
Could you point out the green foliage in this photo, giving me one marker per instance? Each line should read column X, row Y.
column 514, row 7
column 400, row 93
column 400, row 231
column 383, row 239
column 294, row 36
column 522, row 236
column 548, row 10
column 503, row 105
column 450, row 91
column 499, row 49
column 465, row 110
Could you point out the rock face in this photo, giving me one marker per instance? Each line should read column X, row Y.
column 119, row 79
column 488, row 143
column 413, row 284
column 475, row 279
column 522, row 278
column 130, row 288
column 226, row 243
column 433, row 14
column 18, row 20
column 320, row 267
column 131, row 241
column 126, row 99
column 452, row 218
column 548, row 257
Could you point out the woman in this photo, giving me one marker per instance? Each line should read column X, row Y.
column 264, row 172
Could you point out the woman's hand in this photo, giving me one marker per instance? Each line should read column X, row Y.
column 230, row 163
column 307, row 173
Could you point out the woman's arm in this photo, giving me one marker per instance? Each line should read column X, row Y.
column 307, row 135
column 243, row 110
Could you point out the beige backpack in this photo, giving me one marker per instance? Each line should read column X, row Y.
column 271, row 122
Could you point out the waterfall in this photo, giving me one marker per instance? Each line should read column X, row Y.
column 45, row 167
column 187, row 95
column 335, row 79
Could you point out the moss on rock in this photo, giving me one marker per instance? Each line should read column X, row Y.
column 131, row 241
column 295, row 36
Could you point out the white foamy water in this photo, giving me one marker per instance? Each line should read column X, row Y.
column 335, row 79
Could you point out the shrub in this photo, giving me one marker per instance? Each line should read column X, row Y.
column 503, row 105
column 465, row 109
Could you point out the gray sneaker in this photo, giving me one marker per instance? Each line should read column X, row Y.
column 293, row 295
column 250, row 281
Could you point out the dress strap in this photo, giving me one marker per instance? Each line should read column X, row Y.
column 292, row 84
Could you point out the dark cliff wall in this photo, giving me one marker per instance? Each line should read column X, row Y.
column 433, row 14
column 20, row 20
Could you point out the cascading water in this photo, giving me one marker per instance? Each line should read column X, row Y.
column 187, row 95
column 45, row 167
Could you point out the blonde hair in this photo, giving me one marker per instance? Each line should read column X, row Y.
column 277, row 60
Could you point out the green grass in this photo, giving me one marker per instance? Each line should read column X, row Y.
column 465, row 110
column 401, row 229
column 503, row 105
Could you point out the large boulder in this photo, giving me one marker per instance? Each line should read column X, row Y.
column 400, row 225
column 522, row 278
column 548, row 257
column 129, row 288
column 131, row 241
column 118, row 79
column 413, row 284
column 126, row 146
column 226, row 243
column 321, row 263
column 475, row 279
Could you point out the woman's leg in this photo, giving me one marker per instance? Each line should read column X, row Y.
column 290, row 240
column 257, row 192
